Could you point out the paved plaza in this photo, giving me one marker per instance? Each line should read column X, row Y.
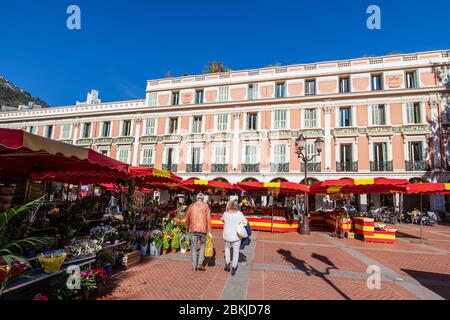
column 295, row 267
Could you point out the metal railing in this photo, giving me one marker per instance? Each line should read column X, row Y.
column 348, row 166
column 170, row 167
column 219, row 167
column 417, row 165
column 312, row 167
column 250, row 167
column 279, row 167
column 381, row 166
column 194, row 167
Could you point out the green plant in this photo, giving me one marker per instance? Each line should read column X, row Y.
column 175, row 243
column 12, row 250
column 184, row 241
column 105, row 257
column 166, row 241
column 158, row 239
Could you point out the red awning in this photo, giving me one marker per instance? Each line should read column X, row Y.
column 152, row 175
column 428, row 188
column 205, row 185
column 24, row 155
column 359, row 186
column 288, row 188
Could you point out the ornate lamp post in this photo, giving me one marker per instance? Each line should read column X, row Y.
column 305, row 158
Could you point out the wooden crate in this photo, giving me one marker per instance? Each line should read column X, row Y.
column 132, row 259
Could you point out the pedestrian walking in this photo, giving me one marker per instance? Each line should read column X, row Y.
column 198, row 218
column 233, row 219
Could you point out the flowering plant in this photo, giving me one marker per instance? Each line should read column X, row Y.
column 102, row 233
column 82, row 247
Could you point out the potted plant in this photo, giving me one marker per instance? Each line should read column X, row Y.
column 156, row 245
column 166, row 243
column 144, row 242
column 106, row 258
column 184, row 242
column 175, row 242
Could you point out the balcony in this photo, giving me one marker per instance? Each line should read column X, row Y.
column 417, row 165
column 279, row 167
column 146, row 165
column 170, row 167
column 312, row 167
column 191, row 167
column 250, row 167
column 219, row 167
column 379, row 166
column 348, row 166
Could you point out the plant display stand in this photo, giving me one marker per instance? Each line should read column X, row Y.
column 132, row 259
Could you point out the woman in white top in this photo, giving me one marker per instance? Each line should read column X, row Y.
column 231, row 219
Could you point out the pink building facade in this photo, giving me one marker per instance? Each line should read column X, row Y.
column 378, row 117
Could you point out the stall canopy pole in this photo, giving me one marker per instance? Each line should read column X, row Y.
column 401, row 207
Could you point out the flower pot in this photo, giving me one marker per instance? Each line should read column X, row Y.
column 183, row 250
column 109, row 270
column 174, row 251
column 164, row 252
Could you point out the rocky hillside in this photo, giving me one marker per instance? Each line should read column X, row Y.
column 13, row 96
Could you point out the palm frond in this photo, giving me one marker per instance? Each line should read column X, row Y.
column 7, row 215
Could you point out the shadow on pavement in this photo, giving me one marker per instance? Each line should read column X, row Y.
column 311, row 271
column 432, row 281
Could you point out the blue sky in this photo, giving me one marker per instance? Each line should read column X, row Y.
column 121, row 44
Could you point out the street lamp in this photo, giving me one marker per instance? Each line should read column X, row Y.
column 305, row 158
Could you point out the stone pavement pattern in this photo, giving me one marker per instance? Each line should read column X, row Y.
column 294, row 267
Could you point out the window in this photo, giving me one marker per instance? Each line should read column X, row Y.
column 310, row 150
column 199, row 96
column 175, row 98
column 252, row 93
column 310, row 118
column 86, row 130
column 280, row 117
column 411, row 80
column 173, row 125
column 250, row 154
column 170, row 157
column 65, row 131
column 415, row 151
column 106, row 129
column 377, row 82
column 380, row 152
column 195, row 155
column 344, row 85
column 150, row 126
column 413, row 113
column 252, row 121
column 123, row 155
column 222, row 122
column 32, row 129
column 147, row 157
column 220, row 155
column 152, row 99
column 197, row 124
column 310, row 87
column 49, row 131
column 279, row 153
column 224, row 93
column 126, row 128
column 346, row 155
column 379, row 115
column 104, row 152
column 345, row 116
column 280, row 90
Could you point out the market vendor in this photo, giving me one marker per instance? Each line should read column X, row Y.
column 348, row 207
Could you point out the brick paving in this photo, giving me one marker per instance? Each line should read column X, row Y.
column 293, row 266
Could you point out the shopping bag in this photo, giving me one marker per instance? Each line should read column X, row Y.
column 241, row 230
column 209, row 250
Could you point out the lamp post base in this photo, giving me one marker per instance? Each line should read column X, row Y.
column 304, row 226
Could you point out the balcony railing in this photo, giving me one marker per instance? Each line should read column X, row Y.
column 219, row 167
column 417, row 166
column 250, row 167
column 381, row 166
column 348, row 166
column 170, row 167
column 312, row 167
column 279, row 167
column 194, row 167
column 146, row 165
